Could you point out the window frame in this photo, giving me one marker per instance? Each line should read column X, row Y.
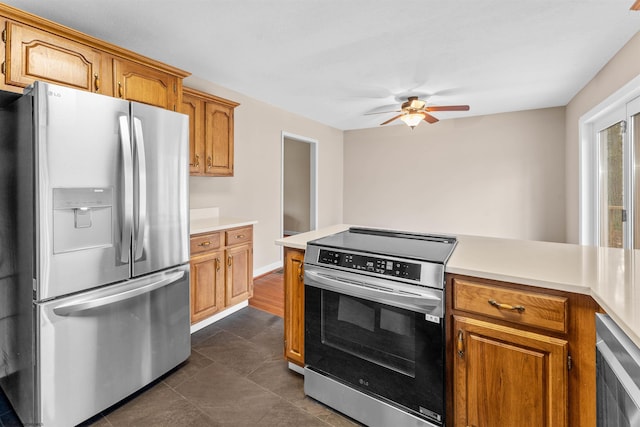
column 609, row 111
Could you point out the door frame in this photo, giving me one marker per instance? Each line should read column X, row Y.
column 313, row 181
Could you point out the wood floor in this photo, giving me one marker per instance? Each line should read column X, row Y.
column 268, row 293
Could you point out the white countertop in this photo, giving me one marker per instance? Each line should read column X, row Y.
column 208, row 219
column 611, row 276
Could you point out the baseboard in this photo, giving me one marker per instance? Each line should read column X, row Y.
column 213, row 319
column 296, row 368
column 267, row 269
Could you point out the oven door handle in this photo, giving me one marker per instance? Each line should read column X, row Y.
column 421, row 301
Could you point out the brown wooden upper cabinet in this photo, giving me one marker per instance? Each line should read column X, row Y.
column 39, row 49
column 33, row 55
column 211, row 133
column 137, row 82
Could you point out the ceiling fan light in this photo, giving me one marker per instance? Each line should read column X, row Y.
column 412, row 119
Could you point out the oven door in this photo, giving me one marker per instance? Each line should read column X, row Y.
column 379, row 337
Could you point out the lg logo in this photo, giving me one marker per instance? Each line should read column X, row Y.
column 363, row 382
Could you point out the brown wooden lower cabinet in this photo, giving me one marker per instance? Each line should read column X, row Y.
column 239, row 275
column 207, row 285
column 508, row 377
column 221, row 270
column 516, row 355
column 519, row 355
column 294, row 305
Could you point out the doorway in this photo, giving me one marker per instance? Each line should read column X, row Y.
column 299, row 184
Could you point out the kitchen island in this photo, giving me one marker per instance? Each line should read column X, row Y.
column 610, row 276
column 563, row 284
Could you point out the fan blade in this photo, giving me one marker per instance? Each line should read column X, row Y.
column 429, row 118
column 447, row 108
column 392, row 119
column 382, row 112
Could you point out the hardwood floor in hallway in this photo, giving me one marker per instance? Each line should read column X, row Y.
column 268, row 293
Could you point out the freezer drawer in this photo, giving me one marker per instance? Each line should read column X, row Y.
column 96, row 348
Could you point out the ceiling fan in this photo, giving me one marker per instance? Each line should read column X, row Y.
column 414, row 110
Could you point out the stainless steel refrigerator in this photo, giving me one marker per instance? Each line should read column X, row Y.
column 94, row 250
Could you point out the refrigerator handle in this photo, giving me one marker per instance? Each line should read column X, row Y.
column 69, row 309
column 142, row 187
column 127, row 167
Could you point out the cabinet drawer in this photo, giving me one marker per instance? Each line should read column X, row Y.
column 522, row 307
column 238, row 235
column 204, row 242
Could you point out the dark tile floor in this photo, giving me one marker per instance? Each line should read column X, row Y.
column 236, row 376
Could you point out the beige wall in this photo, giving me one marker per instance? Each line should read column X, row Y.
column 622, row 68
column 254, row 191
column 498, row 175
column 296, row 188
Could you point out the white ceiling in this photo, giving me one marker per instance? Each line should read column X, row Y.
column 336, row 60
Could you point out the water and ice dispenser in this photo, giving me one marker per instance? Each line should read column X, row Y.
column 82, row 218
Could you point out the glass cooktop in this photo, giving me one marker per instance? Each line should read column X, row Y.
column 424, row 247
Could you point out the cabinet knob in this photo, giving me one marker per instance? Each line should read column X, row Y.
column 96, row 82
column 196, row 164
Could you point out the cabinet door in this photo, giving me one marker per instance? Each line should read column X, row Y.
column 137, row 82
column 218, row 129
column 207, row 285
column 239, row 274
column 508, row 377
column 194, row 108
column 294, row 305
column 33, row 55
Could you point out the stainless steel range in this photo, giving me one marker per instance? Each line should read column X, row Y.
column 374, row 325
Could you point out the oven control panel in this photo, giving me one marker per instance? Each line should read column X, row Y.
column 387, row 267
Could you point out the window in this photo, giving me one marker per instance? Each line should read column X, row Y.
column 612, row 212
column 610, row 178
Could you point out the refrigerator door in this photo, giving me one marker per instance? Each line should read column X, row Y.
column 161, row 188
column 84, row 200
column 98, row 347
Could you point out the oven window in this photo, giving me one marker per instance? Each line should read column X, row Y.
column 373, row 331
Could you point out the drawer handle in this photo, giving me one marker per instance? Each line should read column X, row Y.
column 209, row 162
column 96, row 82
column 500, row 306
column 120, row 91
column 240, row 236
column 218, row 264
column 204, row 244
